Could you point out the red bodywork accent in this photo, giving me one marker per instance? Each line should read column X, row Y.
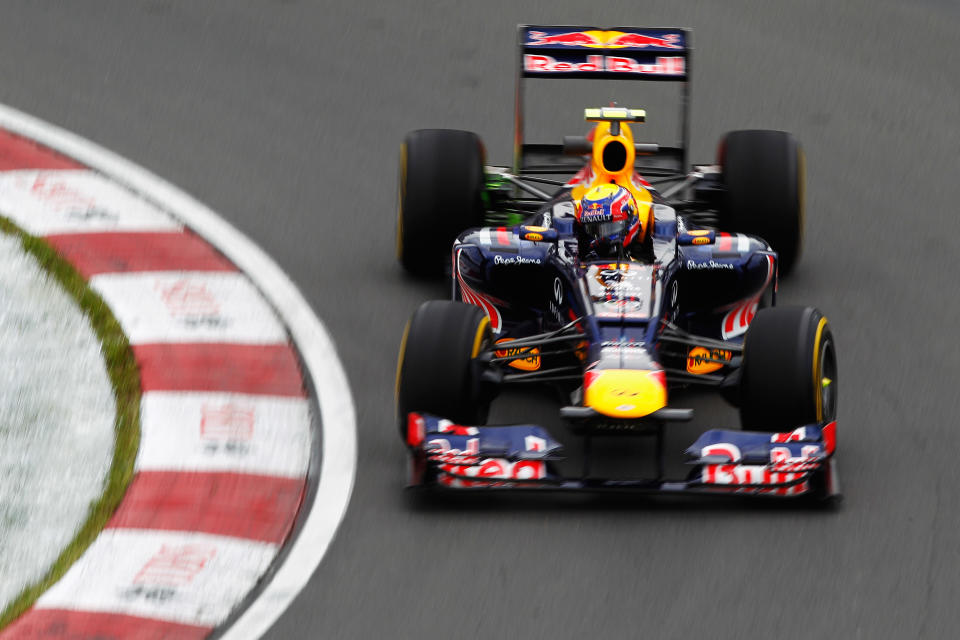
column 416, row 429
column 830, row 438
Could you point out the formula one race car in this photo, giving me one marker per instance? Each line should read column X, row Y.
column 532, row 304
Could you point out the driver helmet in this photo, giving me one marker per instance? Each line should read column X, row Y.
column 607, row 216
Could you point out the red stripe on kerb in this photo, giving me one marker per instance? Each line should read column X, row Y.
column 64, row 623
column 93, row 253
column 258, row 369
column 253, row 507
column 21, row 153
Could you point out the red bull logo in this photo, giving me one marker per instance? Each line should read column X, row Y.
column 642, row 41
column 661, row 66
column 605, row 39
column 572, row 39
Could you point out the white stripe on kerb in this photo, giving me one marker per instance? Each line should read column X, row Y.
column 76, row 201
column 191, row 578
column 228, row 432
column 189, row 306
column 337, row 414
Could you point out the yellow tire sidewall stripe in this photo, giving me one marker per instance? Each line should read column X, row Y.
column 482, row 330
column 817, row 374
column 403, row 352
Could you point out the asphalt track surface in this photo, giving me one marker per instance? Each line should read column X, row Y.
column 286, row 117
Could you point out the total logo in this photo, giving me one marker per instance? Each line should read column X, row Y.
column 701, row 360
column 661, row 66
column 524, row 358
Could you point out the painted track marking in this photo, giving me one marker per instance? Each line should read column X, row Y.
column 337, row 413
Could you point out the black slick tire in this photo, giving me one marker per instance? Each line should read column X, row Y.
column 789, row 373
column 440, row 195
column 437, row 370
column 763, row 176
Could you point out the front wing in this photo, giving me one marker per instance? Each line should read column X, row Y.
column 447, row 455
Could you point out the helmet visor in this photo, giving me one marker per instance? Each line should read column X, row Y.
column 606, row 230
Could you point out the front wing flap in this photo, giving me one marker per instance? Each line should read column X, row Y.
column 754, row 462
column 450, row 455
column 460, row 456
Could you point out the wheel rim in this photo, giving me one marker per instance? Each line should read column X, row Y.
column 827, row 382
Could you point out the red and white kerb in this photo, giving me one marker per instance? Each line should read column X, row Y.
column 225, row 424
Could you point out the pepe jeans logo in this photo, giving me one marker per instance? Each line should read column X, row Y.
column 499, row 259
column 711, row 264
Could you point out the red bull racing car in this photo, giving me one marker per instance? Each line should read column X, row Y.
column 615, row 334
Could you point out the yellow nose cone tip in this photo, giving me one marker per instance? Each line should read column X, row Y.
column 625, row 393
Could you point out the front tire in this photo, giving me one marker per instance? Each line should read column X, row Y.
column 789, row 371
column 438, row 371
column 763, row 176
column 440, row 194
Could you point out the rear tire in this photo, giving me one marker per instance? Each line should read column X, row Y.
column 437, row 371
column 763, row 175
column 789, row 371
column 440, row 195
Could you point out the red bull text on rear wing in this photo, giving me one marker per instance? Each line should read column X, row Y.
column 589, row 52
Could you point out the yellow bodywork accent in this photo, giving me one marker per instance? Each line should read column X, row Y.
column 601, row 138
column 625, row 393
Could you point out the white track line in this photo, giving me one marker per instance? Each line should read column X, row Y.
column 339, row 440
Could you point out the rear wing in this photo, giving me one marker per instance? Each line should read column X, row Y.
column 622, row 53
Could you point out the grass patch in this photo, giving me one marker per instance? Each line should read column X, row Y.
column 125, row 378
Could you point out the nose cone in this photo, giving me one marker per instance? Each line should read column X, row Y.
column 625, row 393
